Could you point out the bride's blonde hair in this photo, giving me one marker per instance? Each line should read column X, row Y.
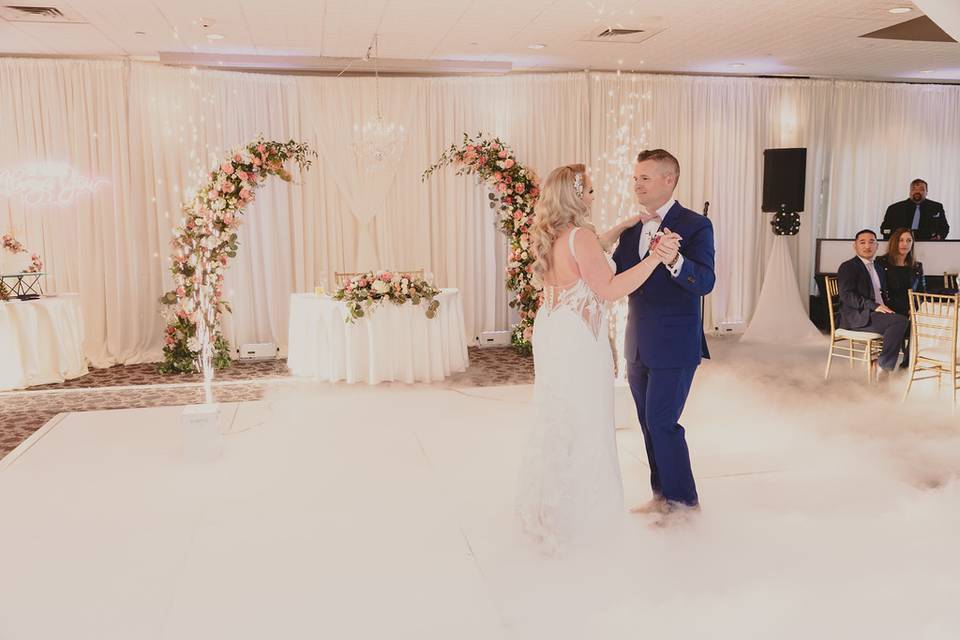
column 559, row 206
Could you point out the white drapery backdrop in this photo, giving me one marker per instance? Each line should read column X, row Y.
column 153, row 131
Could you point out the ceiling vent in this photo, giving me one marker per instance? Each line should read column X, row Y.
column 34, row 13
column 620, row 35
column 613, row 33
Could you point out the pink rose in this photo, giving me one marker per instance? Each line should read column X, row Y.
column 245, row 194
column 227, row 187
column 508, row 163
column 170, row 341
column 237, row 157
column 498, row 176
column 181, row 292
column 256, row 161
column 363, row 282
column 534, row 192
column 519, row 188
column 387, row 277
column 503, row 154
column 261, row 148
column 528, row 333
column 228, row 217
column 518, row 216
column 227, row 168
column 502, row 187
column 482, row 160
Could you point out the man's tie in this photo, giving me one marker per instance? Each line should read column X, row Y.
column 916, row 219
column 875, row 280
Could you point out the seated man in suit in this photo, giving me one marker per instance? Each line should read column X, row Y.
column 925, row 218
column 862, row 303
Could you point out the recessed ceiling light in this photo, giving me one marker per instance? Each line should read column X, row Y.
column 474, row 43
column 214, row 36
column 927, row 71
column 139, row 33
column 536, row 45
column 736, row 65
column 901, row 10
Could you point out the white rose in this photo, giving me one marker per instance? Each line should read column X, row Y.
column 193, row 344
column 523, row 255
column 380, row 286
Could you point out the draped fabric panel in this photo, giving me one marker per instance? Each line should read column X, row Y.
column 153, row 132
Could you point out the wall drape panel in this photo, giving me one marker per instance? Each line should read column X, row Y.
column 153, row 132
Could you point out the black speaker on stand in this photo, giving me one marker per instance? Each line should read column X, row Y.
column 784, row 181
column 780, row 316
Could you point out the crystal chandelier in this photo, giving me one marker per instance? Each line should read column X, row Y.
column 378, row 144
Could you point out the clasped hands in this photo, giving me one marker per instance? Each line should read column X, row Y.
column 666, row 247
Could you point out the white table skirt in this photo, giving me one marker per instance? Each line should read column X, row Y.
column 41, row 341
column 392, row 343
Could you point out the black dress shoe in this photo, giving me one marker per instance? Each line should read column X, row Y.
column 905, row 364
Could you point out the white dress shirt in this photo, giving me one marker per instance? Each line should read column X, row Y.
column 650, row 229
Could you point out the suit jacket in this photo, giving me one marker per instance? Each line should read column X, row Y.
column 856, row 292
column 899, row 281
column 665, row 327
column 933, row 220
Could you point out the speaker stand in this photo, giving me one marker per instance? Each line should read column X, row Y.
column 780, row 317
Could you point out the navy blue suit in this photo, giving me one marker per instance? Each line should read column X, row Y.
column 664, row 345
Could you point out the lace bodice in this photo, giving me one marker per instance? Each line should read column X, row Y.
column 577, row 297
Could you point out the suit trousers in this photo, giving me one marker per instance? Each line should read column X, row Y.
column 893, row 327
column 660, row 395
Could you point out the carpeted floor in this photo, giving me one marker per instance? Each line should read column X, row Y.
column 140, row 385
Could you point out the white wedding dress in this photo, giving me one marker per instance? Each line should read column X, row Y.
column 570, row 486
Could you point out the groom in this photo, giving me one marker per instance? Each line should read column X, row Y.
column 665, row 340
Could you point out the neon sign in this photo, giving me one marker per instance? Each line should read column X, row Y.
column 48, row 183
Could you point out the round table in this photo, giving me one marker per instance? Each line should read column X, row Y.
column 41, row 341
column 391, row 343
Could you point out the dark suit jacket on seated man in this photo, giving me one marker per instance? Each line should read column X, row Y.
column 925, row 218
column 862, row 303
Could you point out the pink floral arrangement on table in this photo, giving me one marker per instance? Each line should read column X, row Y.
column 206, row 240
column 365, row 290
column 514, row 190
column 13, row 245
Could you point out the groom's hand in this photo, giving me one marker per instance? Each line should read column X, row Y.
column 668, row 247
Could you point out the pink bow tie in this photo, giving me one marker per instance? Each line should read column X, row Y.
column 644, row 219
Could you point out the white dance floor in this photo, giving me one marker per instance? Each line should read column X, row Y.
column 385, row 512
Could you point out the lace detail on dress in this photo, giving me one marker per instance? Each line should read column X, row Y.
column 577, row 298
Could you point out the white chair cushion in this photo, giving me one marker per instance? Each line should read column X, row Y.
column 858, row 335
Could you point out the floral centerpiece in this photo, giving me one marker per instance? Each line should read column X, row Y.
column 205, row 241
column 13, row 246
column 362, row 292
column 513, row 193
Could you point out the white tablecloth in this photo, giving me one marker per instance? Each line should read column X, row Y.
column 41, row 341
column 392, row 343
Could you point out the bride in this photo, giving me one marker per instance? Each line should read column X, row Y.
column 570, row 485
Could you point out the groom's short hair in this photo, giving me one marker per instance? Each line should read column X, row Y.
column 663, row 157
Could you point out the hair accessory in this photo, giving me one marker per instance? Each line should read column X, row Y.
column 578, row 184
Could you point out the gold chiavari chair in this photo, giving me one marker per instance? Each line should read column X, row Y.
column 855, row 346
column 343, row 277
column 950, row 282
column 933, row 338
